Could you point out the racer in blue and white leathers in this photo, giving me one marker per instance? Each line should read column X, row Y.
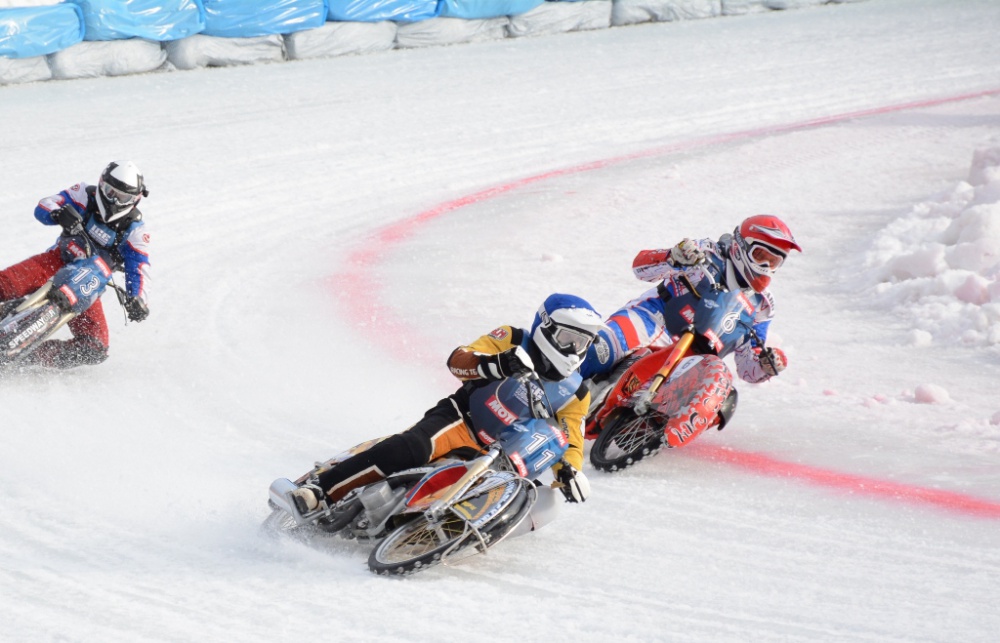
column 642, row 322
column 120, row 239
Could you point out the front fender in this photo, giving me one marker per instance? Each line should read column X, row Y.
column 692, row 397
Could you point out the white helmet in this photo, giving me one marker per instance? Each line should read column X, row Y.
column 119, row 190
column 563, row 330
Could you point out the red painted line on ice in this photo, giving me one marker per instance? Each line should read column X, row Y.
column 361, row 294
column 883, row 489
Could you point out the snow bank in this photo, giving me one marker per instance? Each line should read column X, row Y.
column 939, row 265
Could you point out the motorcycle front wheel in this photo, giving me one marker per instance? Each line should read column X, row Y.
column 417, row 545
column 626, row 439
column 421, row 543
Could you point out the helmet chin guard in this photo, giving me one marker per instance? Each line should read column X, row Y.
column 119, row 190
column 759, row 247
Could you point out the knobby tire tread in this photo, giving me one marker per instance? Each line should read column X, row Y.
column 609, row 438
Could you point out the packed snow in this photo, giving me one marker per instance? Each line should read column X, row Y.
column 326, row 231
column 939, row 264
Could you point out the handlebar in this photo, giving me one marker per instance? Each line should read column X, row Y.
column 539, row 404
column 90, row 250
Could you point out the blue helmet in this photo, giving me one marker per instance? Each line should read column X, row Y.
column 564, row 328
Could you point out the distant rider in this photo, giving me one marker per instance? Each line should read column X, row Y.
column 563, row 330
column 744, row 260
column 108, row 216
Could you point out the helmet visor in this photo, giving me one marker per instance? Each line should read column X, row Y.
column 118, row 198
column 766, row 258
column 569, row 341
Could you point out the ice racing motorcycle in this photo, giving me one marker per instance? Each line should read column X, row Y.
column 450, row 509
column 668, row 396
column 28, row 321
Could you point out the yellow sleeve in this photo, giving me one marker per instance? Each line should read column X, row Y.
column 571, row 418
column 464, row 361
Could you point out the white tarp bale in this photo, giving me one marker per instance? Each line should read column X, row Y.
column 560, row 17
column 109, row 58
column 630, row 12
column 200, row 50
column 743, row 7
column 9, row 4
column 449, row 31
column 780, row 5
column 24, row 70
column 339, row 38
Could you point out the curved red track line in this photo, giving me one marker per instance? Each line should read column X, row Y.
column 883, row 489
column 361, row 293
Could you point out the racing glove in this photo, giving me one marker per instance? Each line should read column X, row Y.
column 509, row 363
column 687, row 253
column 69, row 219
column 136, row 309
column 572, row 483
column 772, row 361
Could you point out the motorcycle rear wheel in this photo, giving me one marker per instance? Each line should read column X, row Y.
column 627, row 439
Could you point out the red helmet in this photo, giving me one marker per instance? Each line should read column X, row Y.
column 760, row 244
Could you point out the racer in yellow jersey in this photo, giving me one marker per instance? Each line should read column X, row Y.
column 553, row 348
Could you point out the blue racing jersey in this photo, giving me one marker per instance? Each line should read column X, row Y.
column 125, row 249
column 659, row 315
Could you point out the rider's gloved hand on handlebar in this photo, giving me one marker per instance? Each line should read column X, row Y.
column 136, row 309
column 572, row 483
column 509, row 363
column 687, row 253
column 69, row 220
column 772, row 361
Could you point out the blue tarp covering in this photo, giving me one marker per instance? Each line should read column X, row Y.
column 249, row 18
column 150, row 19
column 478, row 9
column 37, row 31
column 379, row 10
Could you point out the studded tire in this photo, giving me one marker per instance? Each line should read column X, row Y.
column 627, row 439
